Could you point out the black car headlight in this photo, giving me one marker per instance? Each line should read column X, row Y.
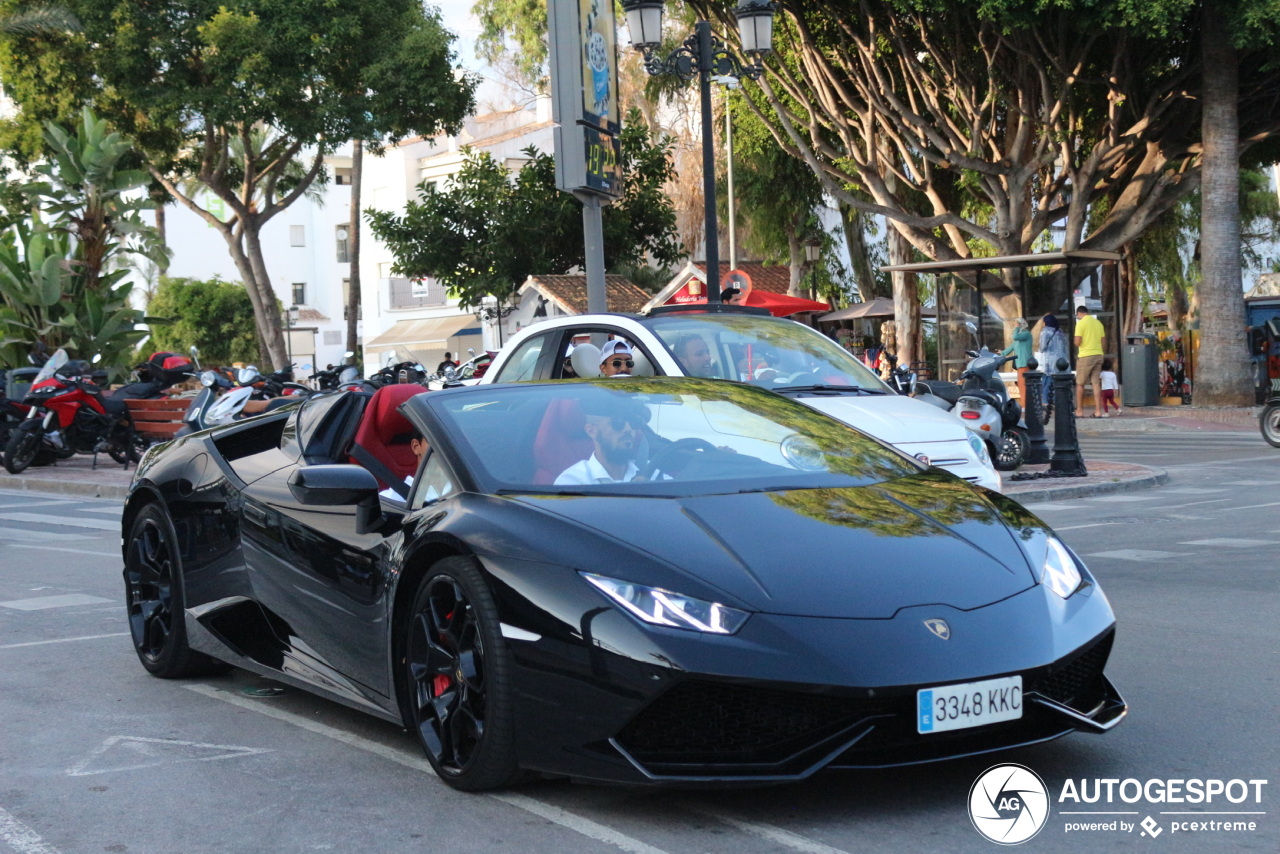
column 1060, row 572
column 660, row 607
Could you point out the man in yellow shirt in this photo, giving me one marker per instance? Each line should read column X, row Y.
column 1089, row 337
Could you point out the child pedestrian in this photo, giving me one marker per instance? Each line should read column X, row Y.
column 1110, row 385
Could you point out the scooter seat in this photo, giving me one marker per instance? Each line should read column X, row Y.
column 950, row 392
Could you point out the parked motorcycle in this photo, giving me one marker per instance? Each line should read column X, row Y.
column 222, row 399
column 901, row 378
column 334, row 377
column 982, row 403
column 68, row 414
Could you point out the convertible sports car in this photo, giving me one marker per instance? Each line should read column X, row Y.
column 658, row 580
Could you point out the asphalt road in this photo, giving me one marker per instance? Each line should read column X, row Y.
column 97, row 756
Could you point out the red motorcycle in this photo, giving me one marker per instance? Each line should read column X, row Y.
column 68, row 414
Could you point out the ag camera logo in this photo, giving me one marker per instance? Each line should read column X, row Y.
column 1008, row 804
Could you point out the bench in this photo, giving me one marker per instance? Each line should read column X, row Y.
column 158, row 420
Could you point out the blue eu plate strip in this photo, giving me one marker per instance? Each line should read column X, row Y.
column 925, row 703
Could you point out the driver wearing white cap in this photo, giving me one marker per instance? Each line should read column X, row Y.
column 616, row 359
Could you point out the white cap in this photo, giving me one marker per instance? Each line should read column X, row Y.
column 615, row 348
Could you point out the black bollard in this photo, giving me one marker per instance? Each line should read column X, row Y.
column 1066, row 461
column 1033, row 413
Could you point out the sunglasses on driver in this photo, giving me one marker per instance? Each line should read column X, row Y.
column 618, row 363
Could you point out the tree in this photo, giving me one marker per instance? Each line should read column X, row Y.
column 485, row 234
column 214, row 315
column 236, row 97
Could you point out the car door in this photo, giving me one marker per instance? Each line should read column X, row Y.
column 323, row 582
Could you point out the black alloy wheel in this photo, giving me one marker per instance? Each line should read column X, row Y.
column 458, row 680
column 23, row 445
column 154, row 597
column 1011, row 449
column 1269, row 421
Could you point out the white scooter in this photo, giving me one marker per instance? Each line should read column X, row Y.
column 982, row 403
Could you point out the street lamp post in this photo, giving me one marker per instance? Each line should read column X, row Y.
column 290, row 318
column 704, row 55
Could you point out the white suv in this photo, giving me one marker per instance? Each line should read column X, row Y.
column 749, row 345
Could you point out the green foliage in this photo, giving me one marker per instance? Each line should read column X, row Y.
column 515, row 28
column 486, row 233
column 214, row 315
column 64, row 277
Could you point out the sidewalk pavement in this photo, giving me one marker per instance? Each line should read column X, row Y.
column 77, row 477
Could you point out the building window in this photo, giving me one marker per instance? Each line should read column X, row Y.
column 299, row 293
column 342, row 175
column 346, row 302
column 297, row 235
column 341, row 236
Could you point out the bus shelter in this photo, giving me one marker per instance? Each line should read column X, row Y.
column 991, row 293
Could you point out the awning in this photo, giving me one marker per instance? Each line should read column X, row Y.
column 781, row 305
column 878, row 307
column 421, row 334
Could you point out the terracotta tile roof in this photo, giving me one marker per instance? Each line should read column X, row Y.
column 310, row 315
column 766, row 277
column 571, row 292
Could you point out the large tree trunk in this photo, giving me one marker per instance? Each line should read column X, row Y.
column 1222, row 369
column 906, row 301
column 270, row 326
column 353, row 245
column 796, row 261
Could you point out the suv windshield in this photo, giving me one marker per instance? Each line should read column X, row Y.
column 765, row 351
column 654, row 436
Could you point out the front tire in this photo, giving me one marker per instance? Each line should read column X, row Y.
column 1010, row 450
column 1269, row 422
column 23, row 445
column 154, row 596
column 457, row 672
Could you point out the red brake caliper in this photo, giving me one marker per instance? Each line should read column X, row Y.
column 441, row 682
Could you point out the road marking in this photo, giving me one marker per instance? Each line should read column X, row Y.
column 1230, row 543
column 114, row 510
column 794, row 841
column 41, row 519
column 576, row 823
column 1077, row 527
column 64, row 640
column 1248, row 483
column 1194, row 503
column 1038, row 508
column 1190, row 490
column 1250, row 506
column 55, row 549
column 138, row 752
column 25, row 504
column 65, row 600
column 1137, row 554
column 24, row 534
column 21, row 838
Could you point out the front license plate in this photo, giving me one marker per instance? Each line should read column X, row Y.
column 971, row 704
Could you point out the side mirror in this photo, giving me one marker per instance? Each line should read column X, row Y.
column 969, row 325
column 195, row 351
column 333, row 485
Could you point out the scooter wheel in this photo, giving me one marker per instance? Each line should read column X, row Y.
column 24, row 443
column 1270, row 423
column 1011, row 449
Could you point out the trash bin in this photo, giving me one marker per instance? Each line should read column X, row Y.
column 1139, row 370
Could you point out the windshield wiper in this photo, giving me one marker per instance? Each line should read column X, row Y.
column 827, row 387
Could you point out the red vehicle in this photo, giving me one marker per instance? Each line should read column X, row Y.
column 68, row 414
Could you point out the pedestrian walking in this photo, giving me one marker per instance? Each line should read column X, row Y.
column 1089, row 337
column 1110, row 385
column 1021, row 351
column 1053, row 346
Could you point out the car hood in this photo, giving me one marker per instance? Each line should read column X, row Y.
column 858, row 552
column 892, row 418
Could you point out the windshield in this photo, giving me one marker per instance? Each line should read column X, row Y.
column 764, row 351
column 654, row 436
column 51, row 367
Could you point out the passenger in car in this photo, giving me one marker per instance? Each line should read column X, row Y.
column 616, row 359
column 695, row 355
column 615, row 431
column 419, row 445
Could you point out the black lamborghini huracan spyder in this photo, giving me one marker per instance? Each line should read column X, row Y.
column 657, row 580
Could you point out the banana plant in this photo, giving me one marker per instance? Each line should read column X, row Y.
column 35, row 276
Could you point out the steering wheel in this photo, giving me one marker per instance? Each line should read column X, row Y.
column 688, row 445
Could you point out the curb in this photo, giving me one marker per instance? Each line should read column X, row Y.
column 1153, row 478
column 78, row 488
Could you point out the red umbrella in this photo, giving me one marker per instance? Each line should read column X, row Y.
column 781, row 305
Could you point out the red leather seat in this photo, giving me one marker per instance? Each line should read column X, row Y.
column 561, row 441
column 382, row 425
